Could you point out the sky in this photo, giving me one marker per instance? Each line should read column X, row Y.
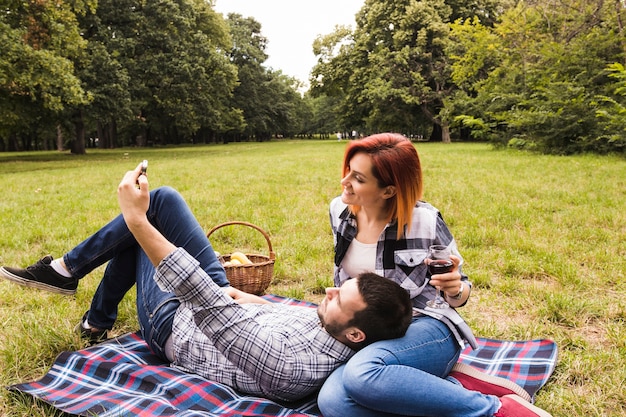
column 291, row 26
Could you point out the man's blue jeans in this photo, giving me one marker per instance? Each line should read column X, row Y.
column 404, row 377
column 128, row 265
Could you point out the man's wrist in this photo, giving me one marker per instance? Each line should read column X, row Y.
column 136, row 223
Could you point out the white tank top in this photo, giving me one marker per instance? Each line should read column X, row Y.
column 361, row 257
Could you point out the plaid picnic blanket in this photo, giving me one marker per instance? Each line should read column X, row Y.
column 122, row 377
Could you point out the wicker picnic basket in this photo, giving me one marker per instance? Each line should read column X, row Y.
column 253, row 278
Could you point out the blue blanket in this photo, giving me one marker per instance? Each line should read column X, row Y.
column 121, row 377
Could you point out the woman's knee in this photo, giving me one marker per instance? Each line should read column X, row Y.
column 363, row 370
column 332, row 395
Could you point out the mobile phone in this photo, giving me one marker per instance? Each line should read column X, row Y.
column 144, row 167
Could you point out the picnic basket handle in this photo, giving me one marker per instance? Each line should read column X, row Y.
column 263, row 232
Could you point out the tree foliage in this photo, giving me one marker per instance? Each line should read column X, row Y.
column 392, row 72
column 545, row 75
column 536, row 74
column 38, row 40
column 171, row 79
column 268, row 99
column 136, row 72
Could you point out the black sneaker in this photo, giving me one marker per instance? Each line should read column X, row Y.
column 91, row 335
column 41, row 275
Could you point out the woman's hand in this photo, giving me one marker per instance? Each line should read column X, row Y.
column 450, row 283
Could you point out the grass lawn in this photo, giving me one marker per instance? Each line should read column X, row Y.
column 543, row 237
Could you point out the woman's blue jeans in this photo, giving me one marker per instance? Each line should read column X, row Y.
column 404, row 377
column 128, row 265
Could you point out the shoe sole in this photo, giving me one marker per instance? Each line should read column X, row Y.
column 86, row 337
column 495, row 380
column 34, row 284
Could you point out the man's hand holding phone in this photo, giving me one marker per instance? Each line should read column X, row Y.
column 133, row 194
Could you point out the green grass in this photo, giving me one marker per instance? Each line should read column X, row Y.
column 544, row 239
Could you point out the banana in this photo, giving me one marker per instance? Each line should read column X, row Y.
column 238, row 256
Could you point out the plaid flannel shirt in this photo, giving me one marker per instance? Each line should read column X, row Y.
column 402, row 260
column 277, row 351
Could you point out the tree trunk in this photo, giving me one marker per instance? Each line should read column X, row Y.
column 13, row 143
column 619, row 8
column 445, row 133
column 107, row 134
column 113, row 133
column 78, row 144
column 435, row 135
column 59, row 138
column 101, row 135
column 441, row 129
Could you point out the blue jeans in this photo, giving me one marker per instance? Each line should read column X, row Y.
column 404, row 377
column 128, row 264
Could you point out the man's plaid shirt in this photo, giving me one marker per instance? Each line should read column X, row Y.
column 402, row 260
column 277, row 351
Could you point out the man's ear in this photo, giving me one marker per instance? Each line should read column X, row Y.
column 389, row 192
column 355, row 335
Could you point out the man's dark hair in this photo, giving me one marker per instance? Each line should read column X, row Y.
column 388, row 312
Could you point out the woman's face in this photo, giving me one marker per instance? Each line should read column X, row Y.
column 360, row 187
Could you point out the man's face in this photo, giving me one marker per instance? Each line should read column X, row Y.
column 339, row 307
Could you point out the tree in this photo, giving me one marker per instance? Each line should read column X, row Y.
column 324, row 115
column 179, row 77
column 540, row 88
column 268, row 99
column 394, row 73
column 331, row 80
column 287, row 104
column 248, row 54
column 37, row 77
column 612, row 112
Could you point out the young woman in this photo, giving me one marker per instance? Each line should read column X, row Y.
column 380, row 224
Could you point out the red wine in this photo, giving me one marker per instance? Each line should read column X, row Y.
column 440, row 266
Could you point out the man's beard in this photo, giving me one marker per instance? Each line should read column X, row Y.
column 333, row 329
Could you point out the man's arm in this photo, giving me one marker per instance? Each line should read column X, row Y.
column 134, row 202
column 224, row 321
column 260, row 352
column 133, row 195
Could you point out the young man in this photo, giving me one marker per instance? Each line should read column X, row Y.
column 191, row 317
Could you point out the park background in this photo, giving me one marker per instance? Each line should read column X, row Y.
column 545, row 75
column 516, row 107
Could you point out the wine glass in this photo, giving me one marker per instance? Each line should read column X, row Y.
column 439, row 263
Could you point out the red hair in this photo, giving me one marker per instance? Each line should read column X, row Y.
column 394, row 162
